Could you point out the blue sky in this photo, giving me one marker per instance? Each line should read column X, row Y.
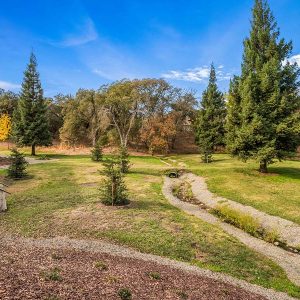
column 86, row 43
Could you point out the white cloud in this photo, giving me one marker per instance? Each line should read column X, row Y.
column 9, row 86
column 197, row 74
column 86, row 33
column 293, row 59
column 103, row 74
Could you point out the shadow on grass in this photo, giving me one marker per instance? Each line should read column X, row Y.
column 147, row 172
column 288, row 172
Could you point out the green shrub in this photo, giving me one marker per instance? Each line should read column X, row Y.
column 154, row 275
column 113, row 190
column 18, row 165
column 43, row 157
column 182, row 295
column 100, row 265
column 125, row 294
column 206, row 157
column 53, row 275
column 56, row 256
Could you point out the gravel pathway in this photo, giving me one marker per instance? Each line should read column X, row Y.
column 290, row 262
column 31, row 161
column 62, row 244
column 288, row 231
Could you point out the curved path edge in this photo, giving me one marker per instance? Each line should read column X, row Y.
column 117, row 250
column 290, row 262
column 288, row 231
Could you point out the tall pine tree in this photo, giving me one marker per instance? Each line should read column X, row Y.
column 211, row 118
column 264, row 104
column 30, row 124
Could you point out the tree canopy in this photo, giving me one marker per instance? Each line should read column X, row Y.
column 264, row 103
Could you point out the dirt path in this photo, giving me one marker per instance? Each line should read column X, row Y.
column 290, row 262
column 24, row 260
column 31, row 161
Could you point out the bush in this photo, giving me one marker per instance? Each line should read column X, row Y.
column 154, row 275
column 125, row 294
column 53, row 275
column 97, row 152
column 100, row 265
column 113, row 191
column 124, row 159
column 43, row 157
column 207, row 157
column 17, row 168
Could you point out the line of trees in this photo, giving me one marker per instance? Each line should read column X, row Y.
column 258, row 119
column 147, row 114
column 263, row 104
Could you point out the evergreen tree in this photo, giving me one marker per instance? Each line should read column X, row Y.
column 97, row 152
column 113, row 191
column 264, row 103
column 211, row 118
column 17, row 168
column 30, row 120
column 124, row 159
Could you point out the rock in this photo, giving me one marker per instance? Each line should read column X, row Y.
column 276, row 244
column 3, row 206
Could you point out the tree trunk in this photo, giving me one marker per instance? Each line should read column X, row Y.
column 263, row 167
column 33, row 149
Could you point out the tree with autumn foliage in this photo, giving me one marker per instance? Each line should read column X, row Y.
column 5, row 127
column 157, row 133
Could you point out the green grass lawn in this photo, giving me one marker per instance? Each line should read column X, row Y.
column 62, row 198
column 276, row 193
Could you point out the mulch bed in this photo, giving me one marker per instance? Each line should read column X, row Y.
column 25, row 273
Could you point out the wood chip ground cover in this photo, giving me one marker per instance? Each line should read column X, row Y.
column 22, row 276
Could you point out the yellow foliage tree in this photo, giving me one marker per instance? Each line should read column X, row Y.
column 5, row 127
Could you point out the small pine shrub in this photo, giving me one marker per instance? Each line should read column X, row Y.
column 124, row 159
column 53, row 275
column 125, row 294
column 113, row 191
column 97, row 152
column 154, row 275
column 100, row 265
column 182, row 295
column 43, row 157
column 18, row 165
column 207, row 157
column 56, row 256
